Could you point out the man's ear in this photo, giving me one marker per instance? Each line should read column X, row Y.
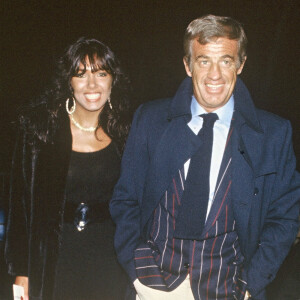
column 240, row 69
column 187, row 67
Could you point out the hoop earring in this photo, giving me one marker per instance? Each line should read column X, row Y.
column 70, row 111
column 109, row 103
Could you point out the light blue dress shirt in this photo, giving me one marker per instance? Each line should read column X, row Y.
column 220, row 131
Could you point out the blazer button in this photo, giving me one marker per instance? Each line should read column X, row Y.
column 186, row 265
column 256, row 191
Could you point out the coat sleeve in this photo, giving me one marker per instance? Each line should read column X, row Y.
column 16, row 247
column 125, row 203
column 281, row 223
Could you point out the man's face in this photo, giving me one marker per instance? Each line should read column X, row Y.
column 214, row 68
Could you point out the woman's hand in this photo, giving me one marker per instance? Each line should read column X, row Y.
column 23, row 281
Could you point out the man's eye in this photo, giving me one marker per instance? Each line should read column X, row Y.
column 226, row 62
column 204, row 63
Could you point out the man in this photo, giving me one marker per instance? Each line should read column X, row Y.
column 207, row 203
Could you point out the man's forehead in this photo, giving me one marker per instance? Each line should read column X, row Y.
column 216, row 44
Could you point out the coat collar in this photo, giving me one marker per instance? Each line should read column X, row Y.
column 181, row 103
column 179, row 143
column 245, row 106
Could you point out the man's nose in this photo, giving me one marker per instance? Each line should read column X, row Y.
column 214, row 71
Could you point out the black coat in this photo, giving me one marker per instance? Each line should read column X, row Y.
column 38, row 179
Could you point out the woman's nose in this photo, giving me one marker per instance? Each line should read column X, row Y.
column 91, row 80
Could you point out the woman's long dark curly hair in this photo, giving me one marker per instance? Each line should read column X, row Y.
column 115, row 122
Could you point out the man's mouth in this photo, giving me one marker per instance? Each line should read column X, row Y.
column 214, row 86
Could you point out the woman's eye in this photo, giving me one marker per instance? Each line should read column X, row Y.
column 101, row 74
column 80, row 75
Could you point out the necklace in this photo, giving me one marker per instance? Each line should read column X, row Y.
column 88, row 129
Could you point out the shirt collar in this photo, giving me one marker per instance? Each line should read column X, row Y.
column 224, row 113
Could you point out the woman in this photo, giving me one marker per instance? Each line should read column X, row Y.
column 65, row 164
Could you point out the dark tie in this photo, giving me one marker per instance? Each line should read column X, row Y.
column 191, row 217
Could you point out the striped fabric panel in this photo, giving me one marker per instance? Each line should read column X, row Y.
column 212, row 263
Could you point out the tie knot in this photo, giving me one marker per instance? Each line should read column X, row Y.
column 209, row 119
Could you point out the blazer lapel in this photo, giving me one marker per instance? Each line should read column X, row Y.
column 223, row 188
column 177, row 144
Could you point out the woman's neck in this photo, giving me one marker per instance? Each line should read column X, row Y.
column 86, row 118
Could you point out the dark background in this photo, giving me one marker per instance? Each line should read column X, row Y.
column 147, row 37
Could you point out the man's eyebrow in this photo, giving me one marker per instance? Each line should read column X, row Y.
column 228, row 56
column 202, row 56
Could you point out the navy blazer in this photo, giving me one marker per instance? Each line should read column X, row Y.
column 265, row 184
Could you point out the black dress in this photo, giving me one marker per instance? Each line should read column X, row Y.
column 87, row 267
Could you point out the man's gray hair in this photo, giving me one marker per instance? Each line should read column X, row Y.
column 208, row 28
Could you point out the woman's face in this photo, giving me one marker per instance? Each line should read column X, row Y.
column 91, row 89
